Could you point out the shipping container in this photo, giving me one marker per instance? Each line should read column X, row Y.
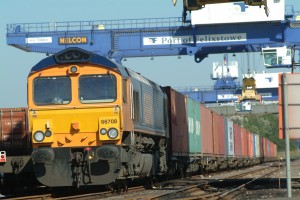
column 237, row 140
column 265, row 147
column 275, row 150
column 256, row 145
column 250, row 144
column 261, row 149
column 229, row 138
column 218, row 134
column 244, row 142
column 269, row 149
column 207, row 130
column 178, row 126
column 194, row 126
column 14, row 137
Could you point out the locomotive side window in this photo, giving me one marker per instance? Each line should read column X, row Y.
column 97, row 88
column 136, row 103
column 124, row 90
column 51, row 90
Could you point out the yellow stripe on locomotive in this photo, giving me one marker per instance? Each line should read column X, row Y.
column 76, row 127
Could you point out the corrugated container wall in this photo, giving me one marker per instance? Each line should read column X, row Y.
column 265, row 147
column 250, row 144
column 237, row 140
column 244, row 142
column 177, row 122
column 274, row 150
column 229, row 138
column 194, row 126
column 207, row 133
column 14, row 136
column 269, row 148
column 262, row 153
column 218, row 134
column 256, row 144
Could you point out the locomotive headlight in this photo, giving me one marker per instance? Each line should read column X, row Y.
column 48, row 133
column 73, row 69
column 39, row 136
column 103, row 131
column 112, row 133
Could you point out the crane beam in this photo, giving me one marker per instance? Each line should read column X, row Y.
column 120, row 39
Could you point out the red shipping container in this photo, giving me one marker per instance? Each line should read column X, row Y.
column 275, row 150
column 207, row 130
column 265, row 148
column 262, row 152
column 244, row 142
column 250, row 144
column 14, row 137
column 218, row 134
column 178, row 125
column 237, row 140
column 271, row 149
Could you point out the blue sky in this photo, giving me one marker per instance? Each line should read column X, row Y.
column 15, row 63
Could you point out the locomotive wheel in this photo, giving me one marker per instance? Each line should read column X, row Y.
column 110, row 187
column 122, row 186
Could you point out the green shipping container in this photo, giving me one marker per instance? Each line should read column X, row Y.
column 194, row 126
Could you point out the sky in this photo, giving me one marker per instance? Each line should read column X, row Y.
column 166, row 71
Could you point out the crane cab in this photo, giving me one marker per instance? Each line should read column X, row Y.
column 275, row 57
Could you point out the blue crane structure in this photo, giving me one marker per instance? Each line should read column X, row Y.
column 119, row 39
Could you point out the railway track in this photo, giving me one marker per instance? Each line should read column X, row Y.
column 195, row 187
column 208, row 191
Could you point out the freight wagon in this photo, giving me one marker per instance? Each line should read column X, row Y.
column 15, row 147
column 201, row 139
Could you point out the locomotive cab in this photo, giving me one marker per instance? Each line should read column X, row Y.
column 75, row 119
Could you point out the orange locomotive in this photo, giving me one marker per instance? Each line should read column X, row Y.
column 92, row 121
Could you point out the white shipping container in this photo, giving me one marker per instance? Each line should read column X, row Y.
column 229, row 137
column 220, row 70
column 256, row 144
column 238, row 12
column 264, row 80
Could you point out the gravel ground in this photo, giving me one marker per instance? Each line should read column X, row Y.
column 274, row 191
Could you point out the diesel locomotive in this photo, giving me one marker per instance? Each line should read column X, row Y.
column 96, row 122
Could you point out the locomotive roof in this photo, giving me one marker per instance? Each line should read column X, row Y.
column 89, row 57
